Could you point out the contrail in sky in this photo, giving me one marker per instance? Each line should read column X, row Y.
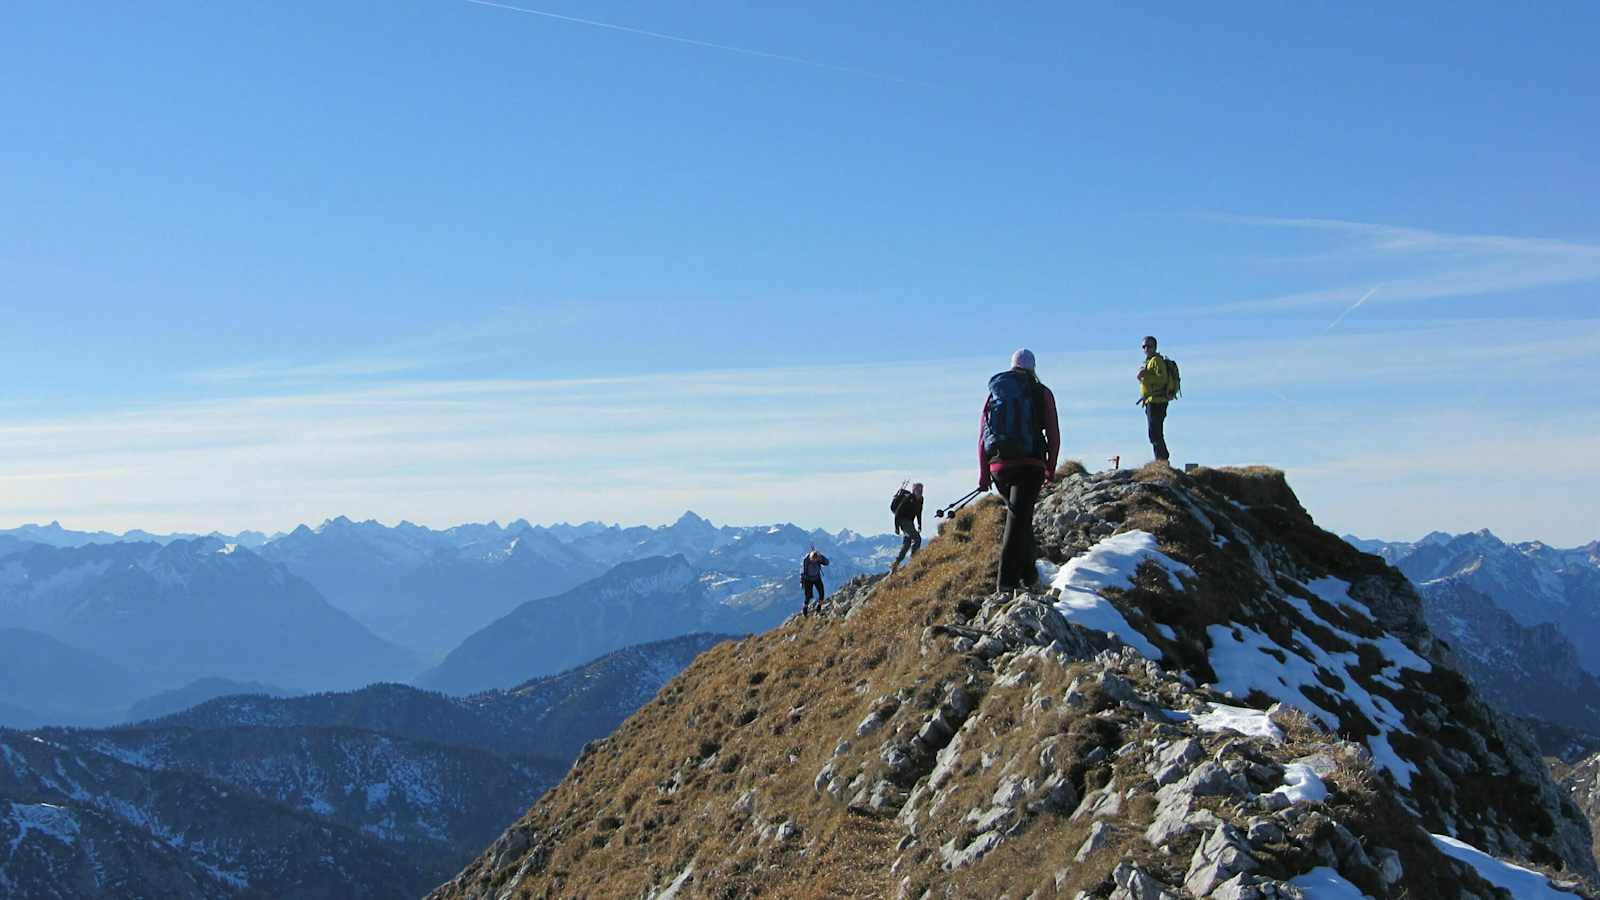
column 1364, row 298
column 694, row 42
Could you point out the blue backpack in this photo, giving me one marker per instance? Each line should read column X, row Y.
column 1011, row 430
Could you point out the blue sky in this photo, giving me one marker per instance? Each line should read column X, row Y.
column 444, row 261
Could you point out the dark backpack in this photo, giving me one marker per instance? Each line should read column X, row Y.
column 1011, row 428
column 900, row 497
column 1174, row 378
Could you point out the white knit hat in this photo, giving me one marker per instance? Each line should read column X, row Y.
column 1022, row 359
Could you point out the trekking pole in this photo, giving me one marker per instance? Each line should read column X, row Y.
column 951, row 509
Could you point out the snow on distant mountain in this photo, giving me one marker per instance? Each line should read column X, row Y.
column 80, row 823
column 1532, row 581
column 191, row 609
column 1523, row 619
column 427, row 590
column 434, row 803
column 380, row 792
column 174, row 609
column 1533, row 672
column 636, row 602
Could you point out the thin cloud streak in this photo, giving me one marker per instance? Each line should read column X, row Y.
column 1357, row 305
column 695, row 42
column 1462, row 265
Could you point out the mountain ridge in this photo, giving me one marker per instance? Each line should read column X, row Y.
column 1211, row 697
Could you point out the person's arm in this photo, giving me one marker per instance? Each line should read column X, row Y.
column 822, row 559
column 919, row 513
column 983, row 458
column 1052, row 433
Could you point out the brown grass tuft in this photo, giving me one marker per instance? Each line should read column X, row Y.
column 1069, row 468
column 1251, row 486
column 1157, row 472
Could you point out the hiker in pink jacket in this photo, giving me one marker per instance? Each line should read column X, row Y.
column 1018, row 441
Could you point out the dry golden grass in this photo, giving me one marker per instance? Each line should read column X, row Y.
column 1069, row 468
column 659, row 793
column 1157, row 473
column 1253, row 486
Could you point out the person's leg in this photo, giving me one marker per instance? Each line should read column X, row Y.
column 1161, row 432
column 1003, row 483
column 1024, row 495
column 916, row 540
column 1021, row 490
column 905, row 546
column 805, row 608
column 1156, row 415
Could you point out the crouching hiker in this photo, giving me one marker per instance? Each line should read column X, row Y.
column 907, row 507
column 1019, row 438
column 811, row 577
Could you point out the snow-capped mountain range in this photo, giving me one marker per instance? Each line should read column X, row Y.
column 173, row 613
column 1534, row 582
column 428, row 590
column 105, row 621
column 1524, row 618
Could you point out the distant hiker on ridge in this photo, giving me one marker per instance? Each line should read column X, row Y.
column 907, row 508
column 1158, row 384
column 811, row 576
column 1018, row 440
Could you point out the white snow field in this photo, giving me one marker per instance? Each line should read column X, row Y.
column 1112, row 563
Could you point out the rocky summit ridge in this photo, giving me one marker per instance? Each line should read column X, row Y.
column 1205, row 696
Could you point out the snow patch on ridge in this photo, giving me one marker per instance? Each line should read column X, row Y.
column 1246, row 660
column 1325, row 883
column 1524, row 884
column 1242, row 719
column 1110, row 564
column 1302, row 784
column 1336, row 592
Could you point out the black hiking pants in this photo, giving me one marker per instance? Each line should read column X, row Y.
column 912, row 542
column 1020, row 486
column 808, row 584
column 1156, row 415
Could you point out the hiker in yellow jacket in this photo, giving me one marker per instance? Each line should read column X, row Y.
column 1155, row 391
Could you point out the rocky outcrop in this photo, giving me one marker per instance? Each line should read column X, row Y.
column 1206, row 696
column 1581, row 781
